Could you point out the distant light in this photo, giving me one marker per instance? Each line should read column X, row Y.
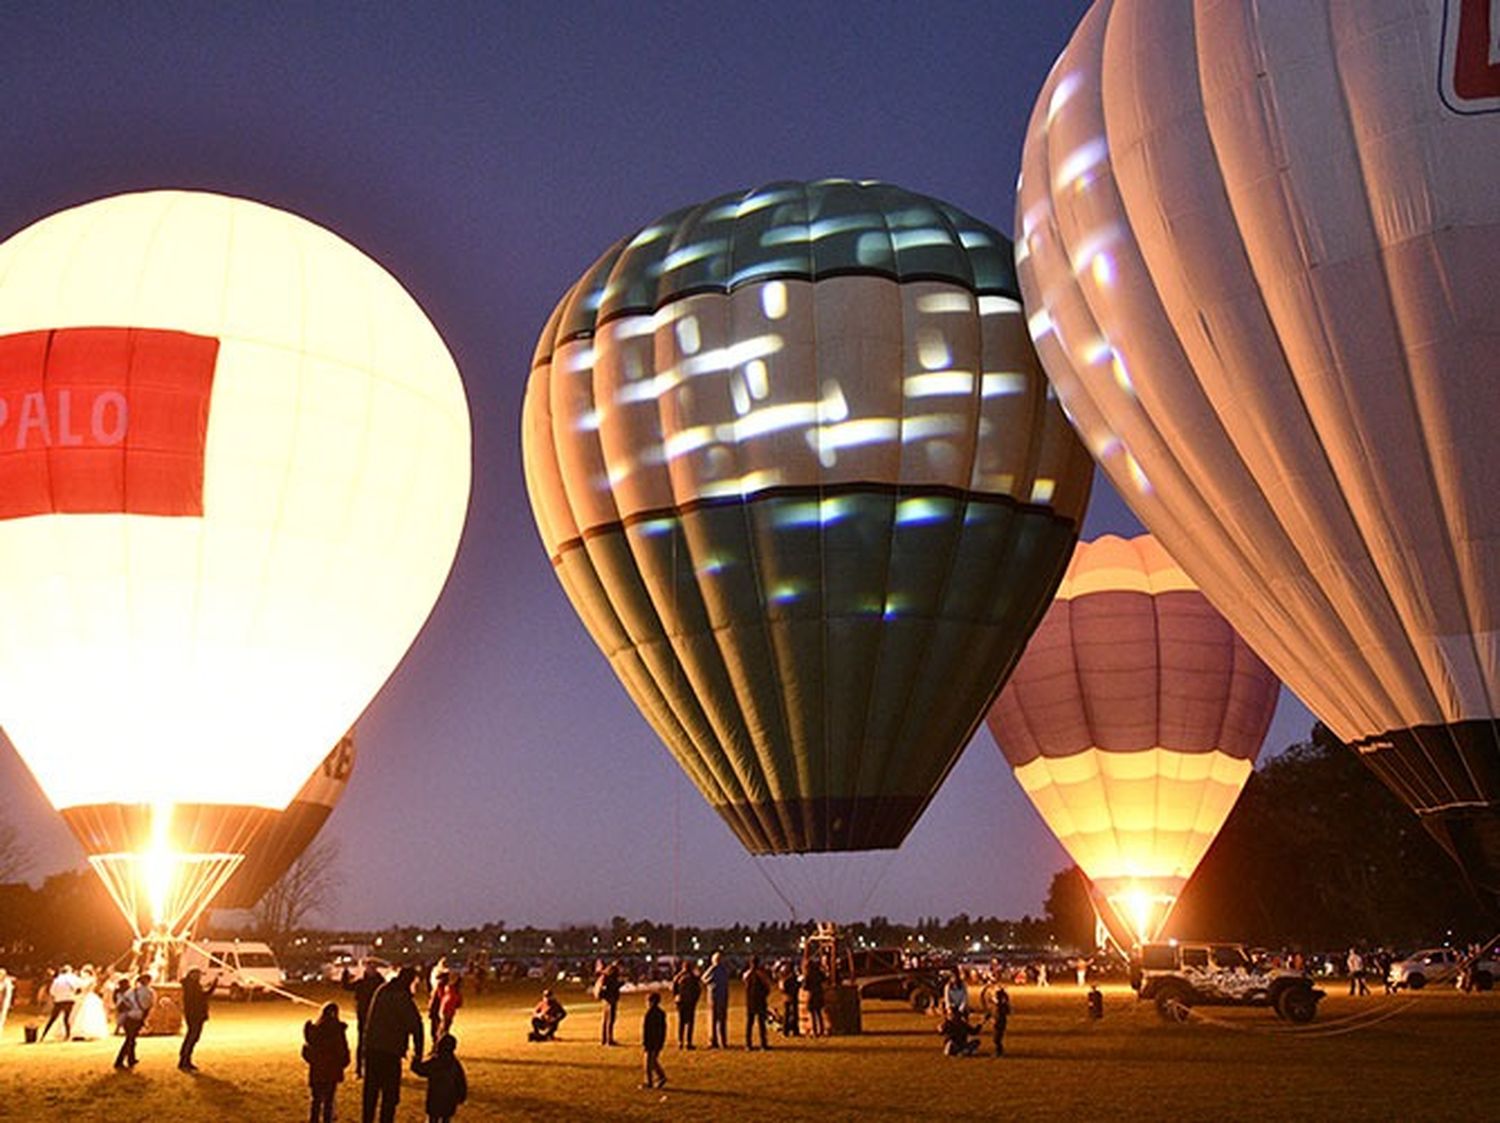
column 688, row 336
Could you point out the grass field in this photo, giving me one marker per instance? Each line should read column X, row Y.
column 1429, row 1056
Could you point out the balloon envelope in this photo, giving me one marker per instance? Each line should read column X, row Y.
column 795, row 465
column 283, row 839
column 234, row 465
column 1260, row 245
column 1132, row 722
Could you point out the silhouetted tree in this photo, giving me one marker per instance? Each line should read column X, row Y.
column 1319, row 854
column 308, row 888
column 1069, row 910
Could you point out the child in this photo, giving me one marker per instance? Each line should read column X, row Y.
column 325, row 1048
column 653, row 1040
column 447, row 1087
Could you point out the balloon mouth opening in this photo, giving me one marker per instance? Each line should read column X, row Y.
column 160, row 889
column 1139, row 912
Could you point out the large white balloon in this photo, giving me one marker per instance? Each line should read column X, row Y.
column 1260, row 244
column 234, row 467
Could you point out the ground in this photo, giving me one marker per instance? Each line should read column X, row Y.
column 1422, row 1056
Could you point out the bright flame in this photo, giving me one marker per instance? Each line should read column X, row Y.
column 1143, row 909
column 159, row 864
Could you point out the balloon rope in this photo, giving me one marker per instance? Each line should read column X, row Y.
column 1350, row 1023
column 790, row 908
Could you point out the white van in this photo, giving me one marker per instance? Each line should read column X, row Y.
column 242, row 968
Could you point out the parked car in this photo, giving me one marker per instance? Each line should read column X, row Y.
column 1178, row 976
column 240, row 968
column 333, row 970
column 884, row 973
column 1432, row 965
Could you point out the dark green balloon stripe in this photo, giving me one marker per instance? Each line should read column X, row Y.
column 815, row 691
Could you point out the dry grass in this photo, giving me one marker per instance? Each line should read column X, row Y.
column 1432, row 1059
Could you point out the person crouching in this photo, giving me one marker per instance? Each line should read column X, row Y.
column 960, row 1039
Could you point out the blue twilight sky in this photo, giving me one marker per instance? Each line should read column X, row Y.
column 486, row 153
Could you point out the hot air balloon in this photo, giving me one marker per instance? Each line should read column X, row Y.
column 795, row 465
column 234, row 466
column 282, row 840
column 1133, row 721
column 1260, row 244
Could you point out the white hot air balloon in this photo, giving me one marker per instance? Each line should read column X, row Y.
column 234, row 467
column 1259, row 244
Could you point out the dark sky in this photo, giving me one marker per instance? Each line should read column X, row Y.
column 486, row 154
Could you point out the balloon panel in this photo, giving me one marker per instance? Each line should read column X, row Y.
column 212, row 597
column 1261, row 274
column 794, row 463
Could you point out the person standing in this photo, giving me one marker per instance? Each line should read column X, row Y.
column 393, row 1020
column 194, row 1014
column 607, row 989
column 364, row 989
column 325, row 1048
column 449, row 1001
column 791, row 988
column 654, row 1040
column 64, row 990
column 717, row 979
column 956, row 995
column 437, row 989
column 687, row 989
column 133, row 1008
column 813, row 981
column 757, row 1002
column 1355, row 964
column 1000, row 1016
column 447, row 1086
column 7, row 994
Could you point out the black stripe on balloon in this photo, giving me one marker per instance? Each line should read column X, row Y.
column 815, row 491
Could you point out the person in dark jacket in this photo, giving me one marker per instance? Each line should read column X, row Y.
column 447, row 1086
column 1000, row 1017
column 194, row 1014
column 791, row 989
column 654, row 1040
column 813, row 980
column 364, row 989
column 607, row 989
column 687, row 989
column 757, row 1002
column 393, row 1021
column 325, row 1048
